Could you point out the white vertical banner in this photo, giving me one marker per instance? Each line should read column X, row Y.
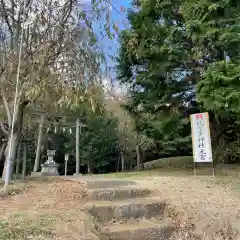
column 201, row 139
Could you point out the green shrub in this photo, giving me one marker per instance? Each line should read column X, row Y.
column 172, row 162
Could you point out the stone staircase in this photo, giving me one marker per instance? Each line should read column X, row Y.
column 121, row 210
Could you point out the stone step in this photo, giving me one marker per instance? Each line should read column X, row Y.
column 104, row 183
column 95, row 182
column 112, row 194
column 142, row 230
column 133, row 208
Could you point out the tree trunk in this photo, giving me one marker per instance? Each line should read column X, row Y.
column 39, row 143
column 18, row 159
column 89, row 167
column 24, row 161
column 131, row 164
column 118, row 163
column 143, row 159
column 122, row 161
column 10, row 156
column 138, row 157
column 2, row 151
column 17, row 130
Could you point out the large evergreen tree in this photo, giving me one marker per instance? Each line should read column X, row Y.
column 214, row 30
column 154, row 61
column 175, row 58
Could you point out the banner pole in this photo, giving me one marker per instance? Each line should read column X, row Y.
column 194, row 168
column 213, row 169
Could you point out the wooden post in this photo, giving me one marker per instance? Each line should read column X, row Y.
column 24, row 160
column 77, row 146
column 18, row 159
column 194, row 168
column 38, row 151
column 213, row 169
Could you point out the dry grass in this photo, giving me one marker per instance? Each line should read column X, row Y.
column 200, row 210
column 226, row 175
column 47, row 210
column 202, row 207
column 150, row 173
column 20, row 226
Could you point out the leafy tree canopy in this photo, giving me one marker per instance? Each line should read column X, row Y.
column 181, row 57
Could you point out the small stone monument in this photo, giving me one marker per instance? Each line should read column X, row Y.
column 50, row 168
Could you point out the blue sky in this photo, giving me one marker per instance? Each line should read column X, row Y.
column 119, row 17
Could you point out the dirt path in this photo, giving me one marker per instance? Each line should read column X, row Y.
column 47, row 210
column 211, row 209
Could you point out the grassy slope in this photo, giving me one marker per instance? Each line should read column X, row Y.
column 226, row 175
column 172, row 162
column 163, row 166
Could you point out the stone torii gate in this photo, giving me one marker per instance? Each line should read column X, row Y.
column 61, row 121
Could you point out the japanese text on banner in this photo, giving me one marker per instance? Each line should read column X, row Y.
column 202, row 151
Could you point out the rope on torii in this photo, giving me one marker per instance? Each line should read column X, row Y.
column 56, row 125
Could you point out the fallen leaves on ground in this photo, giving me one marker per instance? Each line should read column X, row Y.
column 44, row 210
column 200, row 210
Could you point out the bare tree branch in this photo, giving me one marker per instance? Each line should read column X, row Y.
column 69, row 10
column 4, row 10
